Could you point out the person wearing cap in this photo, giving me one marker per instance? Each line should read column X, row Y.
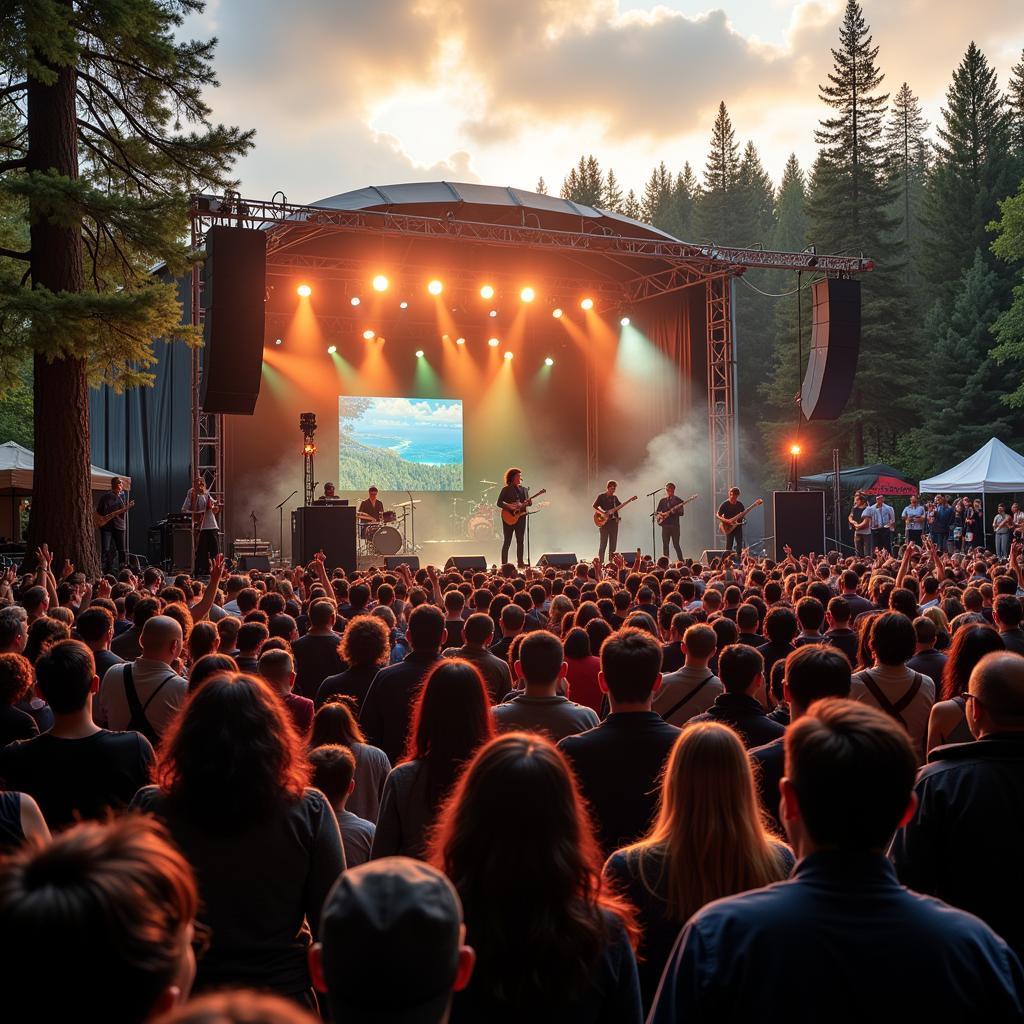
column 392, row 945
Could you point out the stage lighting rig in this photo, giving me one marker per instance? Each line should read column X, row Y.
column 587, row 303
column 435, row 287
column 304, row 291
column 307, row 424
column 487, row 292
column 380, row 283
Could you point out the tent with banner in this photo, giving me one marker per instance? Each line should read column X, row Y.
column 874, row 479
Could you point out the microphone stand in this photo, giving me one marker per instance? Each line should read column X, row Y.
column 280, row 509
column 654, row 512
column 412, row 516
column 252, row 516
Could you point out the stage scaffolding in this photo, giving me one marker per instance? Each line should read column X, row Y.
column 620, row 271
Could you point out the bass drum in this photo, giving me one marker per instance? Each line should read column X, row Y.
column 481, row 526
column 386, row 540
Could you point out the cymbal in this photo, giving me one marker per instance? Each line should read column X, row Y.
column 493, row 483
column 404, row 504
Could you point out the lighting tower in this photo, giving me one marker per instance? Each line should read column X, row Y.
column 307, row 424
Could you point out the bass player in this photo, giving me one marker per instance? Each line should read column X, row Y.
column 670, row 510
column 727, row 511
column 606, row 502
column 512, row 498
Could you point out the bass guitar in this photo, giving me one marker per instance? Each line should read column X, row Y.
column 726, row 526
column 102, row 521
column 600, row 518
column 663, row 517
column 519, row 509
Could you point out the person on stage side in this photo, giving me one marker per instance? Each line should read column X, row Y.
column 203, row 507
column 112, row 545
column 728, row 510
column 329, row 497
column 606, row 501
column 671, row 525
column 371, row 507
column 511, row 494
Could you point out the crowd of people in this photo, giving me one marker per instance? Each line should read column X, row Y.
column 627, row 791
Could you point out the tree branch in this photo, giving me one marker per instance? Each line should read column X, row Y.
column 10, row 90
column 15, row 255
column 9, row 165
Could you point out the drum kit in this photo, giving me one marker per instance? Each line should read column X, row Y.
column 475, row 518
column 386, row 536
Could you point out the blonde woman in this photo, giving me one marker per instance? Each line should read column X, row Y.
column 709, row 840
column 560, row 607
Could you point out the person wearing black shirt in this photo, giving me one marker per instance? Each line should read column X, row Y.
column 608, row 502
column 670, row 523
column 728, row 510
column 511, row 494
column 112, row 546
column 370, row 511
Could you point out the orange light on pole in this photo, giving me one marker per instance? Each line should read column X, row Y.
column 794, row 449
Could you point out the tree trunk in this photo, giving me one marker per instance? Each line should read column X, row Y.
column 62, row 497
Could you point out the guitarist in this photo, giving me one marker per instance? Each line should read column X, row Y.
column 672, row 510
column 512, row 495
column 203, row 507
column 729, row 510
column 112, row 533
column 607, row 502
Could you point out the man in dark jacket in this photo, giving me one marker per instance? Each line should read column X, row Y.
column 619, row 763
column 741, row 670
column 965, row 841
column 1006, row 616
column 841, row 937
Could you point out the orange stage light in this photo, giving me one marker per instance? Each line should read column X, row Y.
column 493, row 342
column 380, row 283
column 587, row 303
column 527, row 295
column 794, row 449
column 369, row 335
column 557, row 314
column 508, row 355
column 304, row 291
column 435, row 287
column 487, row 292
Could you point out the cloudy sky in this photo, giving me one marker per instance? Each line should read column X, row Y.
column 345, row 93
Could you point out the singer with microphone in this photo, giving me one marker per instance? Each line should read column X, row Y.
column 205, row 540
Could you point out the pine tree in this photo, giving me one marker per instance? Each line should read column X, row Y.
column 542, row 188
column 974, row 169
column 1015, row 99
column 584, row 184
column 685, row 195
column 1008, row 329
column 113, row 134
column 656, row 204
column 631, row 206
column 570, row 184
column 716, row 213
column 755, row 197
column 790, row 233
column 612, row 199
column 907, row 151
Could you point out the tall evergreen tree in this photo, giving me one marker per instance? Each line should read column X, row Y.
column 99, row 93
column 1009, row 327
column 974, row 169
column 542, row 187
column 631, row 206
column 685, row 195
column 790, row 233
column 907, row 150
column 612, row 199
column 1015, row 99
column 584, row 183
column 716, row 214
column 755, row 196
column 656, row 204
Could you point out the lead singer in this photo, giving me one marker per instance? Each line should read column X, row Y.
column 512, row 497
column 203, row 507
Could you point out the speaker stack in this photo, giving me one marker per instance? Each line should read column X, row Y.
column 835, row 345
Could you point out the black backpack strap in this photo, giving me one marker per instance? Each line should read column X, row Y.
column 137, row 721
column 889, row 707
column 685, row 700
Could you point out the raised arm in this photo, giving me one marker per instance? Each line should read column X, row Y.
column 205, row 603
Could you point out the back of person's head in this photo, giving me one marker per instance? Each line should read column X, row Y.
column 849, row 580
column 391, row 944
column 232, row 757
column 334, row 768
column 144, row 610
column 726, row 631
column 739, row 666
column 479, row 628
column 454, row 602
column 973, row 600
column 513, row 618
column 335, row 722
column 576, row 644
column 712, row 599
column 65, row 676
column 517, row 844
column 925, row 630
column 284, row 626
column 747, row 618
column 112, row 902
column 42, row 634
column 94, row 624
column 365, row 642
column 161, row 637
column 250, row 636
column 700, row 641
column 780, row 625
column 240, row 1007
column 893, row 640
column 273, row 604
column 1008, row 611
column 997, row 685
column 34, row 599
column 322, row 614
column 851, row 768
column 810, row 613
column 970, row 644
column 15, row 678
column 709, row 827
column 203, row 639
column 210, row 665
column 839, row 612
column 426, row 628
column 902, row 600
column 813, row 672
column 541, row 656
column 630, row 665
column 12, row 626
column 276, row 667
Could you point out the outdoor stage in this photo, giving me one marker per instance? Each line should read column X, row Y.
column 619, row 361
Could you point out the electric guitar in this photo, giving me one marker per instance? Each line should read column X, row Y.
column 519, row 509
column 726, row 526
column 675, row 510
column 102, row 521
column 600, row 518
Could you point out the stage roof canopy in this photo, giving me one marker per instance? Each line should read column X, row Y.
column 17, row 471
column 994, row 468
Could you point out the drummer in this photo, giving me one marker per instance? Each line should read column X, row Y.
column 370, row 510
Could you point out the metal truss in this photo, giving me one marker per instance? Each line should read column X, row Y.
column 721, row 361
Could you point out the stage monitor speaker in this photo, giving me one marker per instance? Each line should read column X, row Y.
column 835, row 344
column 394, row 561
column 464, row 562
column 181, row 547
column 259, row 562
column 234, row 296
column 709, row 553
column 799, row 522
column 327, row 528
column 558, row 559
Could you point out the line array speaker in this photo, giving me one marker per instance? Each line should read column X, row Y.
column 835, row 345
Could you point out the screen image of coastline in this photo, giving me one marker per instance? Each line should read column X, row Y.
column 399, row 444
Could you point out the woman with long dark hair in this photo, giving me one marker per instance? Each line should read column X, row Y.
column 232, row 788
column 947, row 722
column 582, row 669
column 335, row 724
column 451, row 719
column 553, row 942
column 709, row 840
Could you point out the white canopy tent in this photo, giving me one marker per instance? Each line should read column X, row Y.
column 993, row 469
column 17, row 469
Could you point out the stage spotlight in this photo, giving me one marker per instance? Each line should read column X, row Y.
column 527, row 295
column 493, row 342
column 508, row 356
column 493, row 312
column 460, row 341
column 624, row 321
column 557, row 314
column 277, row 341
column 794, row 449
column 403, row 305
column 487, row 292
column 354, row 300
column 369, row 335
column 419, row 353
column 587, row 303
column 331, row 349
column 308, row 448
column 549, row 361
column 435, row 287
column 304, row 291
column 380, row 283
